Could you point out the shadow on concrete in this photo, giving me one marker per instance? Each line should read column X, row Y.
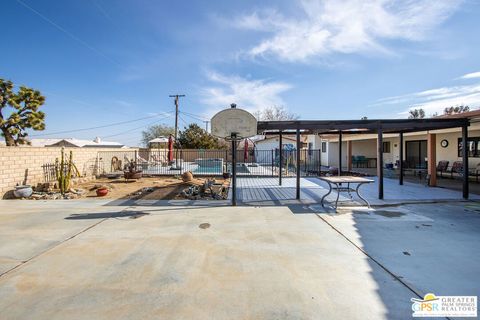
column 420, row 247
column 106, row 215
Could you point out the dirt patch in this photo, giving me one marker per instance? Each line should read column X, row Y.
column 146, row 188
column 165, row 192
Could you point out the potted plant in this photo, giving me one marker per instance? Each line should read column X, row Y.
column 102, row 191
column 132, row 172
column 23, row 191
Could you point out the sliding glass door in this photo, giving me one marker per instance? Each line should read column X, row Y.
column 416, row 152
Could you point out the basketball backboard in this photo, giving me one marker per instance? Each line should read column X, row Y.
column 234, row 121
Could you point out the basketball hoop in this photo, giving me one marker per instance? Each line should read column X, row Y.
column 233, row 138
column 233, row 125
column 234, row 121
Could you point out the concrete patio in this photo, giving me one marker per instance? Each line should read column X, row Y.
column 258, row 191
column 97, row 260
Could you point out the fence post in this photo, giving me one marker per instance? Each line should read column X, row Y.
column 97, row 165
column 273, row 162
column 226, row 160
column 319, row 161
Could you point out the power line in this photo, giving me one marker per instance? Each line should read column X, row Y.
column 183, row 120
column 198, row 117
column 97, row 127
column 68, row 33
column 137, row 128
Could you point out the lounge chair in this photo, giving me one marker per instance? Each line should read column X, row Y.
column 442, row 167
column 159, row 159
column 457, row 168
column 475, row 172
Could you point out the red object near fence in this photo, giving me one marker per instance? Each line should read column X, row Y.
column 170, row 148
column 245, row 151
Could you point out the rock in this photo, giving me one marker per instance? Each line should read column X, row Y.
column 187, row 176
column 77, row 191
column 38, row 196
column 70, row 196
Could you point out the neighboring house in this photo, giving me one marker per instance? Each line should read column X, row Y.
column 158, row 143
column 75, row 143
column 264, row 147
column 447, row 147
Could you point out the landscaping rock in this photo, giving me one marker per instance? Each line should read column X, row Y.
column 187, row 176
column 37, row 196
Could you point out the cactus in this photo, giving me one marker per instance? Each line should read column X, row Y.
column 64, row 170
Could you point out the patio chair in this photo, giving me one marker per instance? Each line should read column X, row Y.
column 457, row 168
column 442, row 167
column 355, row 161
column 475, row 172
column 159, row 159
column 362, row 161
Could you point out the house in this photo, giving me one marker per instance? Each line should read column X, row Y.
column 158, row 143
column 265, row 145
column 75, row 143
column 447, row 146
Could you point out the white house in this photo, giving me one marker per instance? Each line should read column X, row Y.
column 75, row 143
column 265, row 147
column 447, row 146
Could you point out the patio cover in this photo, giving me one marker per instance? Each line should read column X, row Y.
column 378, row 126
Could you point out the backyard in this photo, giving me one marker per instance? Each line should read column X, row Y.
column 108, row 260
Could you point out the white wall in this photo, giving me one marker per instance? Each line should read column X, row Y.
column 450, row 153
column 368, row 148
column 262, row 146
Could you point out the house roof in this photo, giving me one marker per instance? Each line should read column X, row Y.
column 468, row 115
column 161, row 139
column 80, row 143
column 276, row 137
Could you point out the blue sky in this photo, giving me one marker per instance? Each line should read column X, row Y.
column 105, row 61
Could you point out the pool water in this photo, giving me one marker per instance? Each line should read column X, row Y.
column 218, row 170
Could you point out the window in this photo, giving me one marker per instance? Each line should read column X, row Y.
column 324, row 146
column 386, row 147
column 473, row 145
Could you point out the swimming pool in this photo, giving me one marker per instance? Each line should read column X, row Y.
column 241, row 168
column 209, row 170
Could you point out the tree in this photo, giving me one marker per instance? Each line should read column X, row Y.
column 416, row 113
column 274, row 113
column 25, row 115
column 456, row 110
column 159, row 130
column 194, row 137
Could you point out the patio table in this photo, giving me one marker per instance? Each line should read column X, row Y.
column 343, row 184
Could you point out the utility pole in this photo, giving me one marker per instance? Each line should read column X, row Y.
column 176, row 96
column 206, row 125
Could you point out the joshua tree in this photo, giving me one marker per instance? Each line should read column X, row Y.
column 25, row 104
